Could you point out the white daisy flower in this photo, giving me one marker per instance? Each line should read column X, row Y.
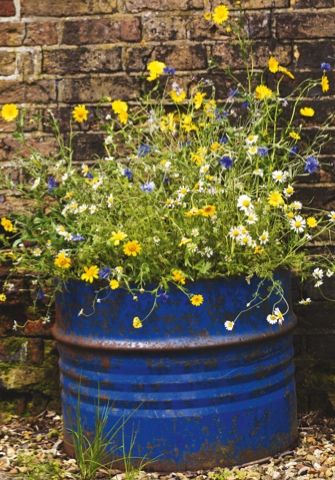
column 329, row 273
column 331, row 216
column 279, row 315
column 298, row 223
column 272, row 319
column 318, row 273
column 305, row 301
column 279, row 176
column 296, row 205
column 182, row 191
column 234, row 232
column 244, row 203
column 251, row 139
column 318, row 283
column 288, row 191
column 264, row 237
column 229, row 325
column 252, row 150
column 245, row 240
column 259, row 172
column 251, row 218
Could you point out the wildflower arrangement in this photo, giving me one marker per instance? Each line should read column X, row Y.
column 191, row 187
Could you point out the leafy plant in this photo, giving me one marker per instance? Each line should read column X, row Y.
column 35, row 469
column 192, row 187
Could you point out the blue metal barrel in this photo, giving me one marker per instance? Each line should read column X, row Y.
column 196, row 395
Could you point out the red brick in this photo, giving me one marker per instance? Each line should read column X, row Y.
column 41, row 33
column 59, row 8
column 162, row 5
column 93, row 88
column 199, row 29
column 81, row 60
column 254, row 4
column 41, row 91
column 163, row 27
column 11, row 34
column 181, row 57
column 101, row 30
column 295, row 25
column 7, row 8
column 7, row 63
column 312, row 3
column 226, row 54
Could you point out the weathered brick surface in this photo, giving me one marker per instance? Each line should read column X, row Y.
column 297, row 25
column 81, row 60
column 102, row 30
column 57, row 53
column 7, row 8
column 58, row 8
column 162, row 5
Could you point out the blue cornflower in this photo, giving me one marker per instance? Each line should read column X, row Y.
column 312, row 164
column 232, row 92
column 294, row 150
column 143, row 150
column 128, row 173
column 104, row 272
column 220, row 114
column 226, row 162
column 245, row 104
column 325, row 67
column 40, row 295
column 76, row 237
column 89, row 175
column 52, row 183
column 262, row 151
column 223, row 139
column 164, row 297
column 148, row 187
column 169, row 70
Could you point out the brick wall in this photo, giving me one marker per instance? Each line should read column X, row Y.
column 56, row 53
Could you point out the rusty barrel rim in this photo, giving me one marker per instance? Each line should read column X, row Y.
column 180, row 344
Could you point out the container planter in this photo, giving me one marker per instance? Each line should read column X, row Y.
column 200, row 396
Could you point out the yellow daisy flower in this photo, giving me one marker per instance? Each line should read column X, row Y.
column 275, row 199
column 63, row 261
column 295, row 136
column 324, row 83
column 90, row 273
column 220, row 14
column 312, row 222
column 263, row 92
column 7, row 224
column 114, row 284
column 117, row 237
column 9, row 112
column 307, row 111
column 119, row 106
column 208, row 211
column 286, row 72
column 198, row 100
column 273, row 65
column 132, row 248
column 178, row 277
column 178, row 96
column 137, row 322
column 3, row 297
column 155, row 69
column 80, row 113
column 197, row 300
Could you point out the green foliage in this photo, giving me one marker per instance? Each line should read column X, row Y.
column 35, row 469
column 190, row 183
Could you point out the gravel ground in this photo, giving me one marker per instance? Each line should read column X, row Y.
column 31, row 449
